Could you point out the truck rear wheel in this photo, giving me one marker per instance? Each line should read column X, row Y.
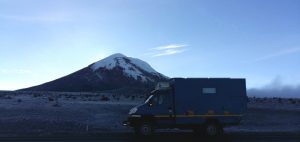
column 213, row 129
column 144, row 130
column 199, row 130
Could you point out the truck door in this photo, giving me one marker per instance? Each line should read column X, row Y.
column 163, row 108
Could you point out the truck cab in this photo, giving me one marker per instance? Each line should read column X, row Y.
column 203, row 105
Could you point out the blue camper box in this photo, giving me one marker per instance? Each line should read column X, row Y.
column 201, row 104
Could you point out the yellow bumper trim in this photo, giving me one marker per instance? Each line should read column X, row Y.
column 206, row 115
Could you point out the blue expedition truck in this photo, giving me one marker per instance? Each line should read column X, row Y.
column 201, row 104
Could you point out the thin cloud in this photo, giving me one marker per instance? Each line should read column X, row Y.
column 169, row 52
column 170, row 46
column 15, row 71
column 45, row 17
column 279, row 54
column 170, row 49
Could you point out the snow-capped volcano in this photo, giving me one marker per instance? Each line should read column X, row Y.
column 132, row 67
column 114, row 72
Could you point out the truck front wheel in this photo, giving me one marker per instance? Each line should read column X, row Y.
column 213, row 129
column 144, row 129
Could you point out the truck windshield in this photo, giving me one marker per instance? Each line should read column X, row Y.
column 149, row 98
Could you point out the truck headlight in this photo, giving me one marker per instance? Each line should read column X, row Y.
column 133, row 110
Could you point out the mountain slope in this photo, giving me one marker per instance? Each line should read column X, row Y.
column 114, row 72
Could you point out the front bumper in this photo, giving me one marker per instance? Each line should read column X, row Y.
column 132, row 121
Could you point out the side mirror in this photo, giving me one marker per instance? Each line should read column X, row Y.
column 150, row 103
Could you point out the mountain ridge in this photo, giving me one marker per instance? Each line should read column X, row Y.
column 114, row 72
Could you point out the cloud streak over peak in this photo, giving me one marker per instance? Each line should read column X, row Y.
column 170, row 49
column 169, row 52
column 170, row 46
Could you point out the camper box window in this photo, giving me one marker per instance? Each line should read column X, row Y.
column 209, row 91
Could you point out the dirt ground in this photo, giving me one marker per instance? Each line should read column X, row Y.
column 23, row 114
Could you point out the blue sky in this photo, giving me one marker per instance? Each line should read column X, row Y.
column 41, row 40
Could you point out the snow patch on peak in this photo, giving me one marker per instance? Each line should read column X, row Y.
column 142, row 64
column 132, row 67
column 109, row 62
column 116, row 55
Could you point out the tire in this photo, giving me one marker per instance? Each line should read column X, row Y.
column 213, row 129
column 144, row 129
column 199, row 131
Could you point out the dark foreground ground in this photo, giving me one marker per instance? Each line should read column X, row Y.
column 161, row 137
column 89, row 117
column 26, row 114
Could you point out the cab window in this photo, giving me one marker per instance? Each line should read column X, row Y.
column 158, row 100
column 162, row 99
